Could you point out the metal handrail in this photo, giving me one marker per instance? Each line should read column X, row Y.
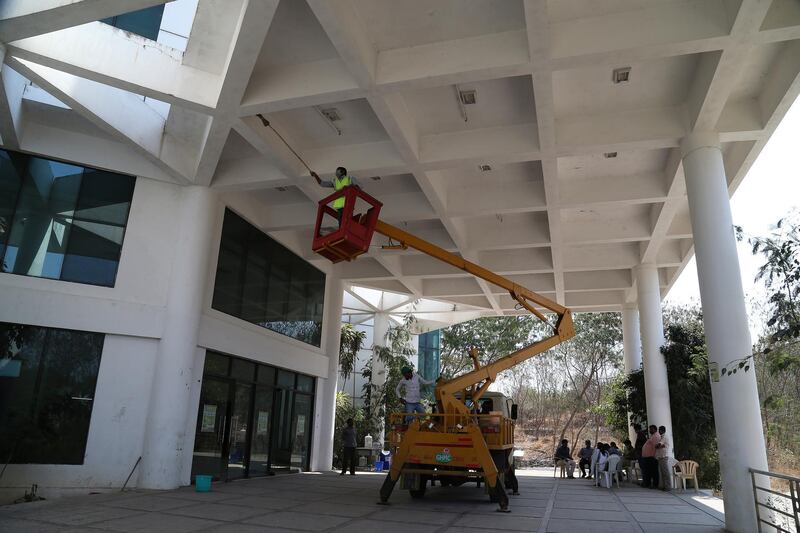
column 789, row 521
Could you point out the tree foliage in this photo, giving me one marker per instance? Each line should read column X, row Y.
column 494, row 337
column 780, row 274
column 380, row 398
column 351, row 342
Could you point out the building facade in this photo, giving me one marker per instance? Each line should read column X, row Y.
column 153, row 329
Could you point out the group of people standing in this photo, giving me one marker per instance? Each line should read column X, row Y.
column 653, row 450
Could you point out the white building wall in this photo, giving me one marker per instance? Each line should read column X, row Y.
column 131, row 314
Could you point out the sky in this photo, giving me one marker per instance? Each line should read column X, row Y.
column 770, row 190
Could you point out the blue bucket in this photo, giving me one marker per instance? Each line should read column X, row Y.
column 202, row 483
column 378, row 466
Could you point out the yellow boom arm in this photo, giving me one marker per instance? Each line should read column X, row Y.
column 446, row 390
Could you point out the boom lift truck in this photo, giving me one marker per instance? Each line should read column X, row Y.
column 455, row 443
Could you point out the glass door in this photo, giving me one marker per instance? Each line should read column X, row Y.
column 210, row 443
column 282, row 431
column 301, row 430
column 261, row 424
column 240, row 422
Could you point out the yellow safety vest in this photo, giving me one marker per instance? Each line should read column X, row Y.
column 338, row 185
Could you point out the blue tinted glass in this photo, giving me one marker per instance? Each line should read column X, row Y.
column 145, row 22
column 61, row 221
column 98, row 227
column 43, row 218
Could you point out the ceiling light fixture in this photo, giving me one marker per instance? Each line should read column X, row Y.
column 281, row 189
column 468, row 97
column 621, row 75
column 464, row 98
column 484, row 168
column 375, row 178
column 610, row 155
column 330, row 115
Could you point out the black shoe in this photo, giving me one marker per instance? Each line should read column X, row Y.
column 341, row 474
column 352, row 473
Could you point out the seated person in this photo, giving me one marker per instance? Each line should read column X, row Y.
column 613, row 450
column 602, row 459
column 563, row 454
column 585, row 456
column 595, row 457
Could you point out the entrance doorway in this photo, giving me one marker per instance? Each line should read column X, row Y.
column 252, row 419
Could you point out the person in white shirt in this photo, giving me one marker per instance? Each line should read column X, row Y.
column 411, row 396
column 664, row 456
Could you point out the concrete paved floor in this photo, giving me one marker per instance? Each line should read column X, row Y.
column 327, row 502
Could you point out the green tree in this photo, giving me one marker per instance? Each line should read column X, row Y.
column 586, row 361
column 350, row 343
column 494, row 337
column 381, row 399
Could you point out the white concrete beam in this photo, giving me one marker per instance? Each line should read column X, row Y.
column 12, row 87
column 20, row 19
column 303, row 85
column 111, row 56
column 249, row 32
column 124, row 115
column 489, row 56
column 347, row 33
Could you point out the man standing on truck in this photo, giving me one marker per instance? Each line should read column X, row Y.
column 338, row 183
column 411, row 382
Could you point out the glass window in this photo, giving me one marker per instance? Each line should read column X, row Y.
column 47, row 384
column 266, row 374
column 305, row 383
column 243, row 370
column 61, row 221
column 98, row 226
column 145, row 22
column 286, row 379
column 216, row 364
column 260, row 281
column 11, row 169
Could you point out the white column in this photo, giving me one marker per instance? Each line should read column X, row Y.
column 164, row 441
column 322, row 459
column 632, row 348
column 651, row 326
column 737, row 414
column 379, row 330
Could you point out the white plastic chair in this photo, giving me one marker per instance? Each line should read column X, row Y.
column 612, row 473
column 688, row 470
column 562, row 464
column 593, row 465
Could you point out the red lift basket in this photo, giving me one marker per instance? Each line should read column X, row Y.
column 354, row 234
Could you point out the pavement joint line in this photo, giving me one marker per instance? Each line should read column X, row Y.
column 551, row 502
column 696, row 505
column 625, row 512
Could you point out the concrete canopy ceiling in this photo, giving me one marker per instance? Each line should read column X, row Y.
column 584, row 180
